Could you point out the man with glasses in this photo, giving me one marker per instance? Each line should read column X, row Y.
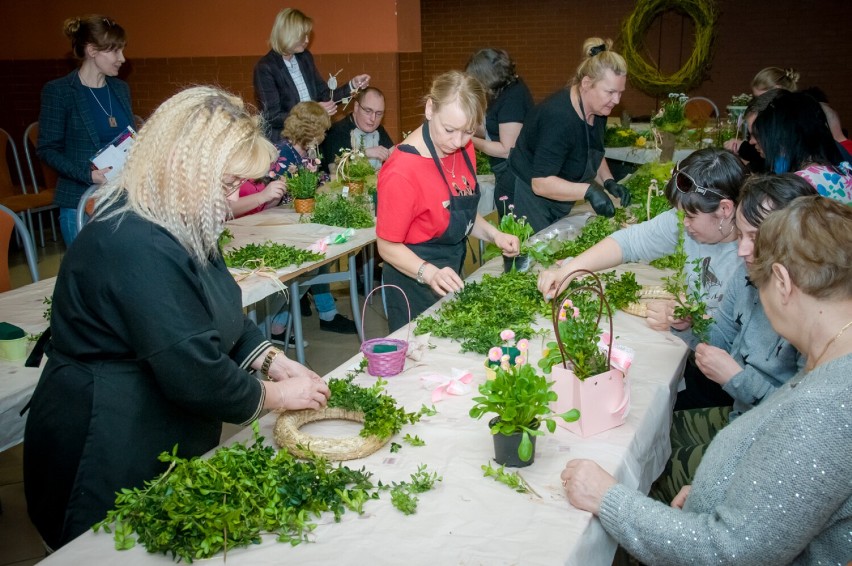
column 360, row 129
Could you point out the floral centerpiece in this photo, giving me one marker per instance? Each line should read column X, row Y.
column 353, row 168
column 517, row 226
column 669, row 122
column 521, row 398
column 302, row 183
column 505, row 356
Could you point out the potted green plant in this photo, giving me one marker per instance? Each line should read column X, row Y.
column 353, row 168
column 521, row 398
column 302, row 185
column 669, row 122
column 517, row 226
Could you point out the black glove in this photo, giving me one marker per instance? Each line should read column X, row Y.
column 599, row 201
column 618, row 190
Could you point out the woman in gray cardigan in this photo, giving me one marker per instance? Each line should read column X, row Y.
column 82, row 112
column 773, row 487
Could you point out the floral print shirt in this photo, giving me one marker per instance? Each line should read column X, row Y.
column 832, row 182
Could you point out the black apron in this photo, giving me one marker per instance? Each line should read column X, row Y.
column 541, row 212
column 446, row 250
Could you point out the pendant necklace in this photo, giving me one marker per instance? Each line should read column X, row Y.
column 830, row 342
column 453, row 170
column 110, row 118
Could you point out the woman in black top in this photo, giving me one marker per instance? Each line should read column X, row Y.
column 559, row 156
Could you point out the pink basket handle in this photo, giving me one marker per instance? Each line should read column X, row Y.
column 562, row 297
column 364, row 309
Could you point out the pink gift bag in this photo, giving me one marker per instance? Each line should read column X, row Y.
column 604, row 399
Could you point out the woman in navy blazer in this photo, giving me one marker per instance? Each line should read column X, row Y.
column 288, row 75
column 82, row 112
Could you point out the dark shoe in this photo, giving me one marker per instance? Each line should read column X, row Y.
column 305, row 305
column 339, row 324
column 279, row 339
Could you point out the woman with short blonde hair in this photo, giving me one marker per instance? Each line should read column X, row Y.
column 774, row 77
column 150, row 346
column 288, row 75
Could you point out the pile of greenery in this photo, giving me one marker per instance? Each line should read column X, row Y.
column 347, row 212
column 480, row 311
column 595, row 230
column 483, row 164
column 200, row 507
column 268, row 254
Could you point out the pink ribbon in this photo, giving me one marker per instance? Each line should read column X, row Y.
column 319, row 247
column 458, row 384
column 621, row 357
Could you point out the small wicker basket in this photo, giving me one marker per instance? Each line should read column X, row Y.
column 384, row 364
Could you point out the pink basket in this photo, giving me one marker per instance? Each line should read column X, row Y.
column 384, row 364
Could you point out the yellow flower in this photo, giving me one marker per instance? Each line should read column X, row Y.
column 640, row 141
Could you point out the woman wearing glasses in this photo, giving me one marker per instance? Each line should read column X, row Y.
column 288, row 75
column 150, row 347
column 705, row 185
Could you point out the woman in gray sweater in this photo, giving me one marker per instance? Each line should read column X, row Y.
column 773, row 487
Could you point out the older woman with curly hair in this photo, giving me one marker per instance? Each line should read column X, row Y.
column 150, row 347
column 773, row 486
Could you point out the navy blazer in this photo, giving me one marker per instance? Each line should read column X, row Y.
column 67, row 138
column 277, row 93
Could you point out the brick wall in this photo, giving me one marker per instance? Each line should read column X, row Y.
column 545, row 38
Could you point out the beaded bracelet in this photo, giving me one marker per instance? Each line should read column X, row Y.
column 267, row 362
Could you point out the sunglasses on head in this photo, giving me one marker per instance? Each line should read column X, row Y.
column 686, row 184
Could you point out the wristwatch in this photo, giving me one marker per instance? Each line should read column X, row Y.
column 420, row 272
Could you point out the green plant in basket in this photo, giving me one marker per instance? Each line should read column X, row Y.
column 354, row 165
column 302, row 182
column 580, row 334
column 672, row 115
column 521, row 398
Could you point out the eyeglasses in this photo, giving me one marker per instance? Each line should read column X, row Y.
column 371, row 112
column 685, row 184
column 232, row 187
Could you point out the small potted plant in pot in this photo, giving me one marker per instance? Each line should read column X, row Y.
column 669, row 122
column 521, row 398
column 511, row 354
column 517, row 226
column 302, row 185
column 353, row 169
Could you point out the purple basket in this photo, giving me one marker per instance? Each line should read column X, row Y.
column 384, row 364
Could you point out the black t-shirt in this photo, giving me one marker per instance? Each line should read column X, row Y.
column 553, row 141
column 511, row 105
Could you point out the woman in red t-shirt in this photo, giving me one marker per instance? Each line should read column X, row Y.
column 428, row 196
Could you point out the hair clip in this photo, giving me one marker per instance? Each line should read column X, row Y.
column 597, row 49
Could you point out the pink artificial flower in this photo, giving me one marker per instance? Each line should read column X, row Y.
column 576, row 312
column 523, row 344
column 562, row 316
column 504, row 365
column 495, row 353
column 507, row 335
column 520, row 360
column 311, row 166
column 504, row 358
column 504, row 197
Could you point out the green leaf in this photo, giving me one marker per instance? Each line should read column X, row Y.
column 525, row 448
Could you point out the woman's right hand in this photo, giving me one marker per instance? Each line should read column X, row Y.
column 549, row 280
column 274, row 191
column 442, row 281
column 661, row 316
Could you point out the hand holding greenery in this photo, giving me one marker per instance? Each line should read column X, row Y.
column 515, row 225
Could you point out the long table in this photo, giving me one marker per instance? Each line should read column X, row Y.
column 469, row 519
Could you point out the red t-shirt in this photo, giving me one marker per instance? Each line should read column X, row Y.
column 413, row 196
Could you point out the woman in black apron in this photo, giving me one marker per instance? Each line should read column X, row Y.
column 559, row 156
column 428, row 197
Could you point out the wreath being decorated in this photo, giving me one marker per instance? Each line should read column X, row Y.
column 647, row 77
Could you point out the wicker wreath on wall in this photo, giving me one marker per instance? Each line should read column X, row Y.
column 646, row 76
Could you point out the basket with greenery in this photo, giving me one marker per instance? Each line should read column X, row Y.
column 302, row 183
column 353, row 165
column 671, row 117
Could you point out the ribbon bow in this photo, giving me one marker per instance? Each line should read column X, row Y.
column 321, row 245
column 458, row 384
column 621, row 357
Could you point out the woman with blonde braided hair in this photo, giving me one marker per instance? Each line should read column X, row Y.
column 150, row 348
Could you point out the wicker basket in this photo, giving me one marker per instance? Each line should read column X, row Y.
column 384, row 364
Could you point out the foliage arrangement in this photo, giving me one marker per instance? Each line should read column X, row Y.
column 515, row 225
column 647, row 76
column 580, row 334
column 672, row 114
column 382, row 417
column 353, row 164
column 616, row 136
column 619, row 290
column 200, row 507
column 347, row 212
column 302, row 182
column 690, row 301
column 521, row 398
column 480, row 311
column 404, row 494
column 511, row 479
column 268, row 254
column 741, row 99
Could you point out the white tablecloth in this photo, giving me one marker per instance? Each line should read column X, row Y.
column 469, row 519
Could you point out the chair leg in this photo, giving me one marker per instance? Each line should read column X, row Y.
column 41, row 227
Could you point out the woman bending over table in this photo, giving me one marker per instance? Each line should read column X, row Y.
column 150, row 347
column 288, row 75
column 82, row 112
column 773, row 486
column 559, row 156
column 428, row 194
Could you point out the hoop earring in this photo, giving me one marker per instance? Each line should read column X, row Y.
column 731, row 231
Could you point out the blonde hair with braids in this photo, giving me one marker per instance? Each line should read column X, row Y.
column 174, row 172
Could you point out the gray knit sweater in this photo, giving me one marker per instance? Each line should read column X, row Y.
column 774, row 487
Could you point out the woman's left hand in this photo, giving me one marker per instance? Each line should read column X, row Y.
column 284, row 368
column 360, row 81
column 508, row 244
column 586, row 483
column 716, row 363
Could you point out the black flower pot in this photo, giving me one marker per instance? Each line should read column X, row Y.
column 518, row 263
column 506, row 448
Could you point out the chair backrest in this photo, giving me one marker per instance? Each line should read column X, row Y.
column 49, row 176
column 7, row 186
column 698, row 111
column 8, row 221
column 86, row 207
